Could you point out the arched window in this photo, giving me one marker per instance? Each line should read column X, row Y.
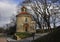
column 26, row 20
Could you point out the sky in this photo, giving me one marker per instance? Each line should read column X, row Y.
column 7, row 9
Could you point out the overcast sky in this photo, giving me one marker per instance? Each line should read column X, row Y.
column 7, row 9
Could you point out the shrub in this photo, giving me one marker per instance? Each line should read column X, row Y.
column 23, row 34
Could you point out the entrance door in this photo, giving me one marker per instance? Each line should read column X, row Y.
column 26, row 26
column 26, row 29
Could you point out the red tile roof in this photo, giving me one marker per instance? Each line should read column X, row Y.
column 23, row 13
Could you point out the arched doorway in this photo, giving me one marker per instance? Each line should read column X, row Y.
column 26, row 26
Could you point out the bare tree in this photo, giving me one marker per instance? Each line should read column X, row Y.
column 11, row 26
column 42, row 12
column 55, row 15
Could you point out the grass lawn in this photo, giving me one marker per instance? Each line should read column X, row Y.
column 52, row 37
column 23, row 34
column 2, row 35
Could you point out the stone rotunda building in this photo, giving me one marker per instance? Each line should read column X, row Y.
column 25, row 21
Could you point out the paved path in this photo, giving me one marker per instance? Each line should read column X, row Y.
column 27, row 39
column 3, row 39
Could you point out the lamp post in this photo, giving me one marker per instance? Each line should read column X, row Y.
column 33, row 34
column 33, row 29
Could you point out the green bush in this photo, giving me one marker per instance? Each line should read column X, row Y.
column 23, row 34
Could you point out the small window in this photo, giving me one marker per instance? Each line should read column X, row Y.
column 26, row 20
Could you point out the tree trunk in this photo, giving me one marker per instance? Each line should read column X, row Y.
column 48, row 23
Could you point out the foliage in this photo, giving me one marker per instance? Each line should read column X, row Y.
column 11, row 30
column 2, row 35
column 2, row 30
column 23, row 34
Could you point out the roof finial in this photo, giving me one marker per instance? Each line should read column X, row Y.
column 23, row 9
